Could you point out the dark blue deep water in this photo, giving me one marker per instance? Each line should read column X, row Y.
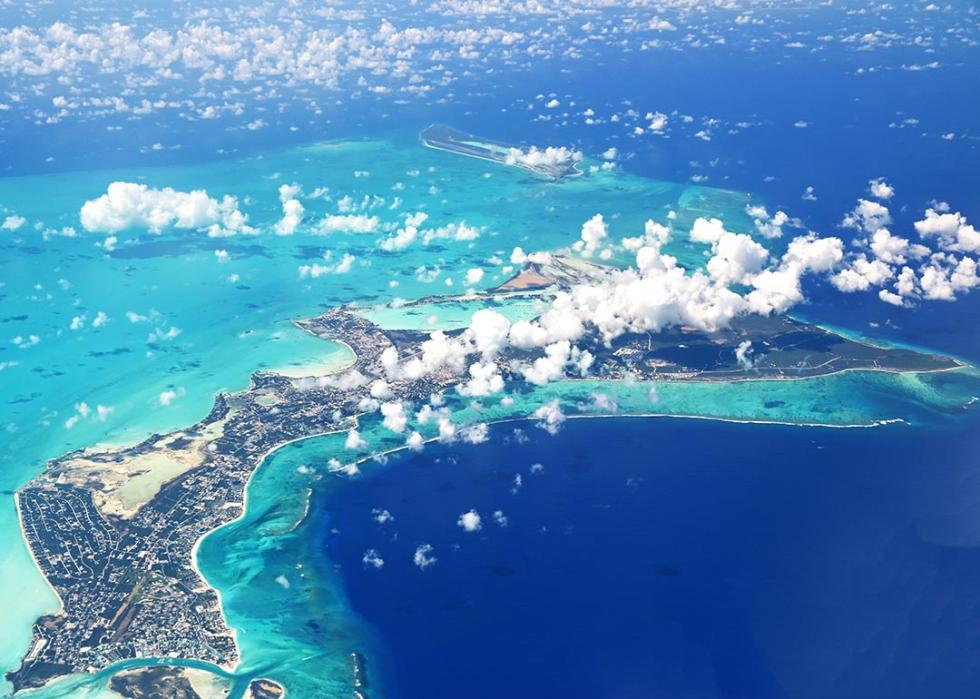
column 673, row 558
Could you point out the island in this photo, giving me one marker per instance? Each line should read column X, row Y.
column 173, row 682
column 552, row 163
column 115, row 530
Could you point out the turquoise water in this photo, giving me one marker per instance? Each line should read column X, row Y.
column 234, row 318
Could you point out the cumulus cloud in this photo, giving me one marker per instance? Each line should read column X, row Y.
column 381, row 516
column 812, row 254
column 549, row 417
column 459, row 232
column 594, row 232
column 129, row 205
column 535, row 157
column 424, row 557
column 341, row 266
column 707, row 230
column 169, row 396
column 292, row 209
column 658, row 122
column 12, row 223
column 736, row 259
column 415, row 441
column 743, row 355
column 868, row 216
column 892, row 249
column 880, row 189
column 406, row 235
column 485, row 380
column 552, row 365
column 394, row 416
column 950, row 229
column 372, row 559
column 519, row 257
column 903, row 271
column 768, row 226
column 862, row 274
column 347, row 223
column 354, row 440
column 470, row 521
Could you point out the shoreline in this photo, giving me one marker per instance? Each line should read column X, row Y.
column 232, row 669
column 323, row 368
column 244, row 509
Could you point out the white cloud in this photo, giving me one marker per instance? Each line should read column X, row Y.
column 354, row 440
column 372, row 559
column 658, row 122
column 423, row 557
column 868, row 216
column 535, row 157
column 862, row 274
column 488, row 330
column 130, row 205
column 459, row 232
column 381, row 516
column 893, row 249
column 880, row 189
column 549, row 417
column 415, row 441
column 485, row 380
column 475, row 434
column 743, row 355
column 736, row 259
column 813, row 254
column 292, row 209
column 470, row 521
column 594, row 232
column 951, row 229
column 707, row 230
column 552, row 365
column 394, row 416
column 768, row 226
column 12, row 223
column 347, row 223
column 342, row 266
column 169, row 396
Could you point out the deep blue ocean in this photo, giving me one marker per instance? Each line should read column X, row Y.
column 674, row 558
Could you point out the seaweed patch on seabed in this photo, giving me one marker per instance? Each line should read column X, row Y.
column 115, row 531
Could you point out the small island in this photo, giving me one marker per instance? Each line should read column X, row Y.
column 555, row 164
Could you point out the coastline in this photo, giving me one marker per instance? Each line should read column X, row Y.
column 221, row 605
column 37, row 565
column 327, row 369
column 319, row 367
column 244, row 509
